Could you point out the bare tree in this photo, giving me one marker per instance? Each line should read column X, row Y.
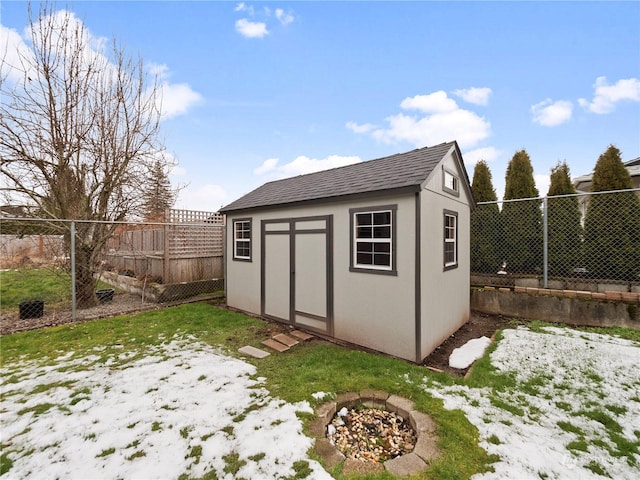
column 79, row 133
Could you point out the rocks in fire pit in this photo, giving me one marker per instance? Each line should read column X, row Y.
column 368, row 411
column 370, row 434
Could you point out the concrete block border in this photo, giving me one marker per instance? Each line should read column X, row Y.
column 423, row 454
column 572, row 307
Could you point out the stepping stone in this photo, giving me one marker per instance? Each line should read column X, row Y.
column 300, row 335
column 286, row 339
column 271, row 343
column 253, row 352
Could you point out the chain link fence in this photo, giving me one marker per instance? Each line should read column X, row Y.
column 586, row 241
column 59, row 271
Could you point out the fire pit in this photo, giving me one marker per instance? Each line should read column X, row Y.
column 370, row 434
column 373, row 431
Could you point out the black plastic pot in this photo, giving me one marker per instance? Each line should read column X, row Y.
column 105, row 295
column 31, row 309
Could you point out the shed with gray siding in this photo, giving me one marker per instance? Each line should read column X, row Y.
column 375, row 254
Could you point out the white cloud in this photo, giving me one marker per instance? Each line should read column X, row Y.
column 260, row 28
column 285, row 18
column 551, row 114
column 178, row 171
column 206, row 198
column 607, row 96
column 250, row 29
column 442, row 120
column 436, row 102
column 177, row 99
column 243, row 7
column 18, row 58
column 542, row 183
column 357, row 128
column 267, row 166
column 303, row 164
column 485, row 153
column 475, row 95
column 12, row 52
column 158, row 69
column 462, row 125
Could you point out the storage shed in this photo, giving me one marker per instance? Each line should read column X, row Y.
column 375, row 254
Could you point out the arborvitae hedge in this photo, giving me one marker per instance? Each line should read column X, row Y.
column 522, row 221
column 563, row 227
column 612, row 224
column 485, row 223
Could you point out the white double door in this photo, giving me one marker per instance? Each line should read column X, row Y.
column 296, row 272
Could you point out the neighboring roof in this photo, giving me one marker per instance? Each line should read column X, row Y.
column 584, row 181
column 402, row 170
column 633, row 163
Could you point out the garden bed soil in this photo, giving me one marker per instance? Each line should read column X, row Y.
column 479, row 325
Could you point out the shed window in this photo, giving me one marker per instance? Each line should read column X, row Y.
column 450, row 182
column 450, row 240
column 242, row 239
column 373, row 239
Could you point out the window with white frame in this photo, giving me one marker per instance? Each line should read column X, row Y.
column 450, row 182
column 373, row 239
column 242, row 239
column 450, row 240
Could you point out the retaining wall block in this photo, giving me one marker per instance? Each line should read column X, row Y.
column 527, row 282
column 612, row 287
column 616, row 296
column 348, row 399
column 405, row 465
column 574, row 311
column 399, row 405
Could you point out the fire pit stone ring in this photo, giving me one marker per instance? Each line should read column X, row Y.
column 424, row 452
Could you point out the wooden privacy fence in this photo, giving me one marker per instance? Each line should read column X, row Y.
column 187, row 248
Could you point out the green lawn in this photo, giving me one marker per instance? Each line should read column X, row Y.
column 293, row 376
column 48, row 284
column 556, row 389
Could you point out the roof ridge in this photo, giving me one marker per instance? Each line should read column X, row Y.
column 360, row 163
column 391, row 172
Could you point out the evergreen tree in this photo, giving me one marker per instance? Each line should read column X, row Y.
column 522, row 220
column 159, row 195
column 485, row 223
column 564, row 229
column 612, row 224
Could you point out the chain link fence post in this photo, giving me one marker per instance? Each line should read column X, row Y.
column 72, row 255
column 586, row 241
column 545, row 243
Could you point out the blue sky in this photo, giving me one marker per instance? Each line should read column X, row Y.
column 256, row 91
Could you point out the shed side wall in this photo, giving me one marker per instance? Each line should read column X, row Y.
column 444, row 293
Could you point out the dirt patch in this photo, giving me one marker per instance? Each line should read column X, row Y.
column 479, row 325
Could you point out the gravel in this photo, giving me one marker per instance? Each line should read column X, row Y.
column 371, row 434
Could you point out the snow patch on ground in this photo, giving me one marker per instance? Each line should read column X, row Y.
column 573, row 413
column 468, row 353
column 183, row 408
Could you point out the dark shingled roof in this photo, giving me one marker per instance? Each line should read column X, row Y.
column 401, row 170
